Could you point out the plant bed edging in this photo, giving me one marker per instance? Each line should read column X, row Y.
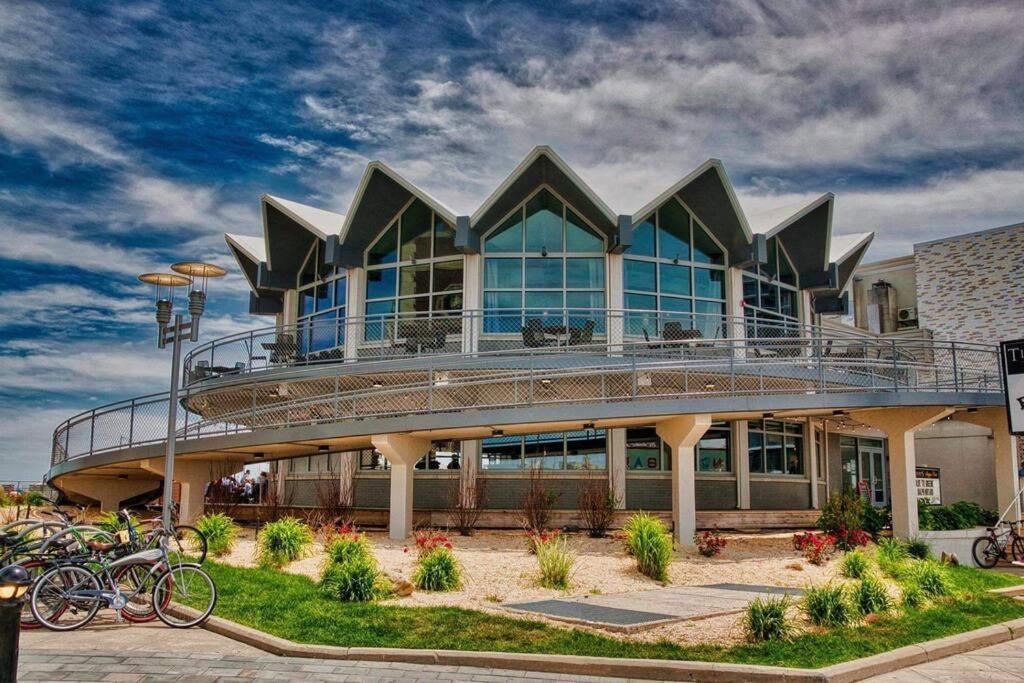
column 956, row 541
column 652, row 669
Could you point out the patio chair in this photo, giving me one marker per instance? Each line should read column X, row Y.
column 533, row 334
column 581, row 335
column 674, row 332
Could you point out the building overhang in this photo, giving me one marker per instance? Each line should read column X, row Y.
column 543, row 167
column 290, row 229
column 709, row 194
column 806, row 233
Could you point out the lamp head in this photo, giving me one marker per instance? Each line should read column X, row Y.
column 14, row 582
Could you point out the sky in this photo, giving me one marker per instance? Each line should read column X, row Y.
column 134, row 135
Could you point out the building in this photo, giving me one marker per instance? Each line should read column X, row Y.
column 967, row 288
column 679, row 353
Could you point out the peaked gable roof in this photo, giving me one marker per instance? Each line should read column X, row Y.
column 804, row 229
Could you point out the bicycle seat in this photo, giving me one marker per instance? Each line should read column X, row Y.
column 99, row 546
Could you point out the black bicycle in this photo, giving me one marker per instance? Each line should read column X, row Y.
column 996, row 543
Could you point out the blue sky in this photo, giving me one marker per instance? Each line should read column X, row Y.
column 133, row 135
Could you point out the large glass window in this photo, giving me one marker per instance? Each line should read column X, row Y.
column 321, row 315
column 413, row 272
column 582, row 450
column 771, row 295
column 443, row 455
column 674, row 277
column 542, row 259
column 645, row 451
column 775, row 447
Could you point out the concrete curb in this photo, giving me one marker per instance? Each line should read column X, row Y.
column 652, row 669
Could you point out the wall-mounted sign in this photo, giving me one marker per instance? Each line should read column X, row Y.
column 928, row 485
column 1011, row 354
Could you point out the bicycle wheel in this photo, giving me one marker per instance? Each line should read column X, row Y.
column 1018, row 549
column 985, row 552
column 35, row 569
column 58, row 602
column 184, row 596
column 188, row 546
column 137, row 579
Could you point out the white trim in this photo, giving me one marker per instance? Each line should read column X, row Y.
column 861, row 239
column 320, row 222
column 535, row 154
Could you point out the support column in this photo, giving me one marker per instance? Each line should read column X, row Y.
column 741, row 458
column 682, row 434
column 472, row 306
column 192, row 477
column 900, row 424
column 811, row 454
column 354, row 312
column 617, row 466
column 1005, row 451
column 469, row 460
column 402, row 452
column 348, row 463
column 615, row 324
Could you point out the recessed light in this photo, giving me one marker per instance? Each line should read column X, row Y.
column 767, row 414
column 588, row 425
column 972, row 410
column 258, row 456
column 709, row 385
column 323, row 448
column 839, row 412
column 545, row 381
column 377, row 384
column 497, row 432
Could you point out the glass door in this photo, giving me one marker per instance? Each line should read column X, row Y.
column 873, row 470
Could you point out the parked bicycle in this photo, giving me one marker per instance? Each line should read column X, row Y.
column 136, row 583
column 997, row 542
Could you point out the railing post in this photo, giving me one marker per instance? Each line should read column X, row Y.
column 252, row 343
column 92, row 429
column 895, row 372
column 956, row 372
column 635, row 378
column 131, row 425
column 430, row 390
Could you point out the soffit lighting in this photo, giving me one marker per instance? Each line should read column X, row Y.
column 497, row 432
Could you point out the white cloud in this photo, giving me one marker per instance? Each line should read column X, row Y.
column 21, row 241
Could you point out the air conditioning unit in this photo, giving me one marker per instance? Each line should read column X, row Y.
column 907, row 315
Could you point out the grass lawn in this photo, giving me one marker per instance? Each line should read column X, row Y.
column 292, row 607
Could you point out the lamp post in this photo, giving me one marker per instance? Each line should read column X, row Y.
column 195, row 275
column 14, row 582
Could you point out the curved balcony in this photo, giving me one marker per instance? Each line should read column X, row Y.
column 419, row 335
column 633, row 379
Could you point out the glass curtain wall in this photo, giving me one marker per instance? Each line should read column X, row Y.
column 542, row 259
column 321, row 314
column 443, row 455
column 674, row 277
column 771, row 296
column 413, row 272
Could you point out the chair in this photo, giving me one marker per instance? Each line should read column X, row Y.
column 533, row 334
column 202, row 369
column 581, row 335
column 674, row 332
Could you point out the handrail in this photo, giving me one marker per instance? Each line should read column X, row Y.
column 739, row 366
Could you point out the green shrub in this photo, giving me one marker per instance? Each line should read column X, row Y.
column 648, row 540
column 827, row 605
column 854, row 565
column 34, row 498
column 960, row 515
column 842, row 517
column 874, row 520
column 931, row 577
column 437, row 570
column 913, row 596
column 766, row 619
column 283, row 541
column 892, row 557
column 112, row 522
column 556, row 561
column 357, row 580
column 918, row 548
column 345, row 547
column 870, row 596
column 219, row 530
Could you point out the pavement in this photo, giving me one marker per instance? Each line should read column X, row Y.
column 152, row 652
column 1003, row 662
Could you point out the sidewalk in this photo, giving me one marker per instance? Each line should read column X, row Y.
column 1003, row 662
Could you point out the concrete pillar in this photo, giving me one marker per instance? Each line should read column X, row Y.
column 617, row 465
column 682, row 434
column 192, row 476
column 472, row 304
column 741, row 461
column 616, row 301
column 825, row 457
column 348, row 463
column 734, row 307
column 900, row 424
column 1005, row 451
column 811, row 458
column 354, row 312
column 402, row 452
column 107, row 491
column 469, row 463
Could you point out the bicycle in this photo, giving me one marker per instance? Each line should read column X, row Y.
column 188, row 543
column 987, row 550
column 70, row 594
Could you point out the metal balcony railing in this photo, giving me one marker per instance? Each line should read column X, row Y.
column 544, row 375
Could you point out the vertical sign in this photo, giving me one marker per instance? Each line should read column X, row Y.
column 1011, row 354
column 928, row 485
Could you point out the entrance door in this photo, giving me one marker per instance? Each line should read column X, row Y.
column 873, row 470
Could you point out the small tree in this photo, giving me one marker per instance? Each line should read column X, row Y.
column 538, row 502
column 597, row 503
column 336, row 500
column 466, row 501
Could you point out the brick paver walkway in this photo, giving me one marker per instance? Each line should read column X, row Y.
column 1003, row 662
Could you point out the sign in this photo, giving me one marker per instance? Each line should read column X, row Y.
column 1011, row 355
column 928, row 488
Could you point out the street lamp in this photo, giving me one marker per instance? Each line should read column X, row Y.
column 14, row 583
column 196, row 275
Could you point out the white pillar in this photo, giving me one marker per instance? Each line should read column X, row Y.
column 734, row 307
column 472, row 306
column 617, row 465
column 1005, row 451
column 615, row 324
column 811, row 454
column 348, row 463
column 682, row 434
column 192, row 477
column 469, row 459
column 741, row 460
column 354, row 311
column 900, row 424
column 402, row 452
